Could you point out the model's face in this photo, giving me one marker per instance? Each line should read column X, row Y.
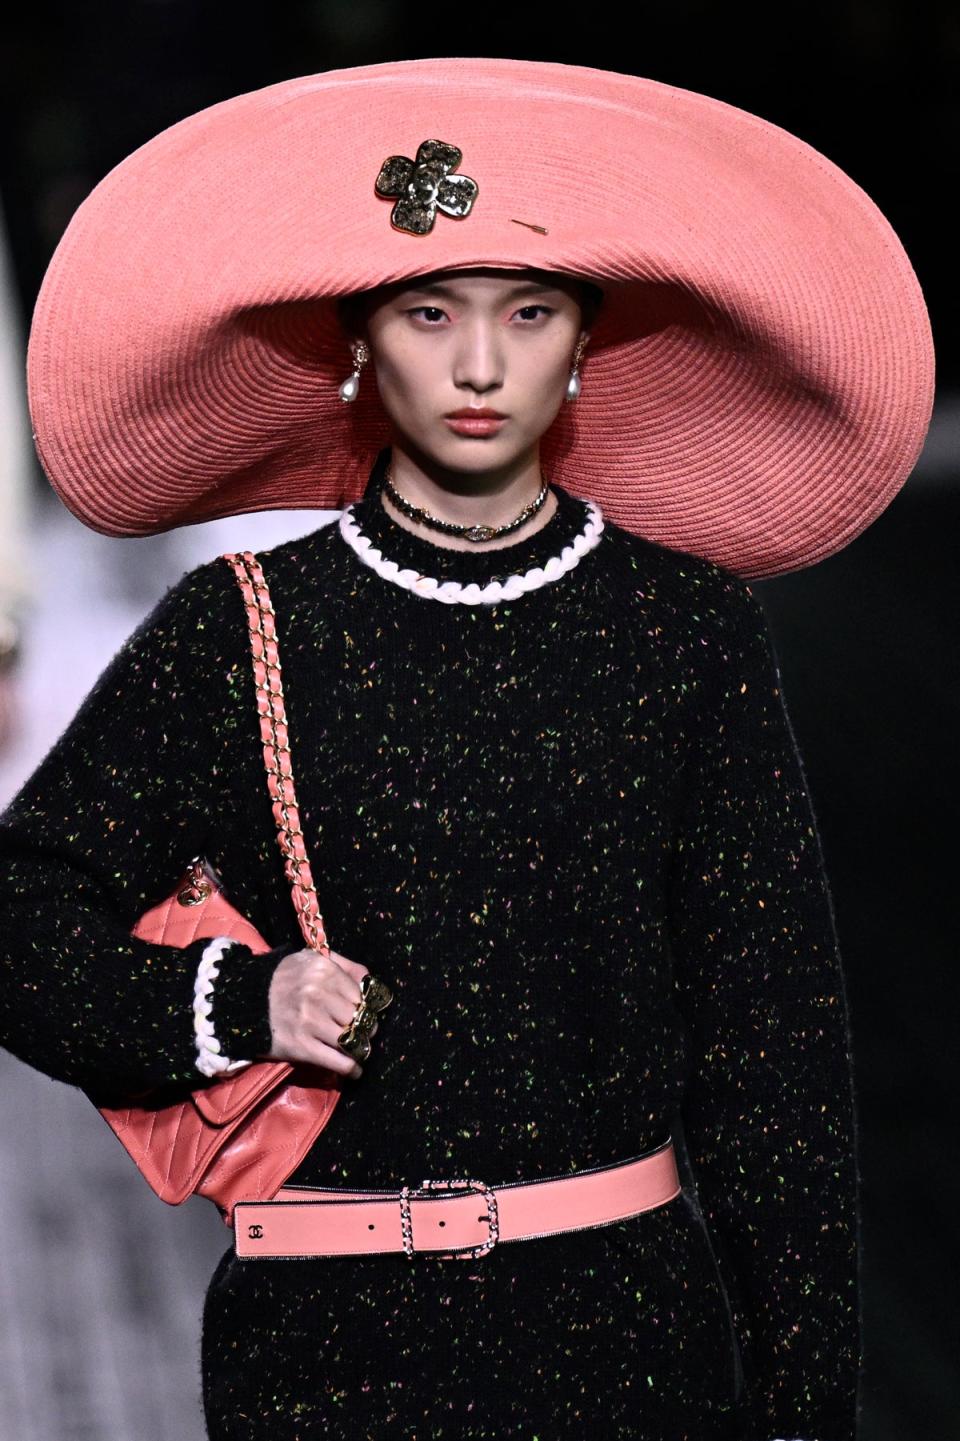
column 459, row 340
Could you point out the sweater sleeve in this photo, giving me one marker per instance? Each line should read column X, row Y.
column 103, row 829
column 768, row 1113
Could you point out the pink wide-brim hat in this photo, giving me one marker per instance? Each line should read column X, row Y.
column 756, row 389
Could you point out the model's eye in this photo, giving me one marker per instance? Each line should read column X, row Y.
column 526, row 309
column 429, row 312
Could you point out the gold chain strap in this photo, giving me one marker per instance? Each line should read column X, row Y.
column 261, row 620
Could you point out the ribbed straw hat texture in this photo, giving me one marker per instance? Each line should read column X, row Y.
column 756, row 390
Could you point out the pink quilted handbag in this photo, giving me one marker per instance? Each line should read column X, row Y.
column 241, row 1137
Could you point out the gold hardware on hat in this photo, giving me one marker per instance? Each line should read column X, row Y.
column 425, row 185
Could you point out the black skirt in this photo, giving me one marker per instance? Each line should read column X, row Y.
column 619, row 1330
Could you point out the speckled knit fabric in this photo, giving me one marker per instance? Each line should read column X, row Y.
column 572, row 832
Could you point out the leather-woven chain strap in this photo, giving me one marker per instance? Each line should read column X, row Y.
column 276, row 743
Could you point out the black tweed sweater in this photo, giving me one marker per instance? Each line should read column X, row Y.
column 572, row 831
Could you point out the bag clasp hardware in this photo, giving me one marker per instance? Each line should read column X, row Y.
column 197, row 883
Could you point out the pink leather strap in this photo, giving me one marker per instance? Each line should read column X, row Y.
column 261, row 622
column 302, row 1222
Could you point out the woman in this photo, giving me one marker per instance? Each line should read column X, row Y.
column 546, row 778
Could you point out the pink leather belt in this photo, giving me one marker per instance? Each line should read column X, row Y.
column 450, row 1219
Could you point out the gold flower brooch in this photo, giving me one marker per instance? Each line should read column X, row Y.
column 423, row 186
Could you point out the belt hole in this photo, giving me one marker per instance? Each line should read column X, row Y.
column 371, row 1226
column 443, row 1223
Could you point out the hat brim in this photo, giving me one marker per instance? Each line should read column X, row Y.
column 757, row 387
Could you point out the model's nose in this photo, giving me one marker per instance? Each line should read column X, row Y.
column 479, row 361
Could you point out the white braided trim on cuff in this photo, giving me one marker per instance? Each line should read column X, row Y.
column 210, row 1061
column 451, row 591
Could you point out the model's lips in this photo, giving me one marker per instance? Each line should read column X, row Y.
column 476, row 422
column 473, row 412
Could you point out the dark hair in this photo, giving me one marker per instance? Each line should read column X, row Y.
column 350, row 311
column 591, row 300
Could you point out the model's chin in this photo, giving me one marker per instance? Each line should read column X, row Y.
column 462, row 448
column 437, row 444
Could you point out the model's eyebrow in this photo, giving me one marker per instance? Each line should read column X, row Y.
column 445, row 288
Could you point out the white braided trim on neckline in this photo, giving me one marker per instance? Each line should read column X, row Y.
column 452, row 591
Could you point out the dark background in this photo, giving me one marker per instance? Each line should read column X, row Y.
column 866, row 639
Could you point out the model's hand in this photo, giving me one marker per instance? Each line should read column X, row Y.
column 313, row 997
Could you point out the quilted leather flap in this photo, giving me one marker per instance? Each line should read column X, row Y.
column 223, row 1102
column 171, row 923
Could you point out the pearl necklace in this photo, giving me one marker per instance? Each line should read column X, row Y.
column 451, row 591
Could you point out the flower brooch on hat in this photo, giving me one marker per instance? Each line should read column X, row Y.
column 425, row 185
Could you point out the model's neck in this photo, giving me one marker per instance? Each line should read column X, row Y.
column 500, row 500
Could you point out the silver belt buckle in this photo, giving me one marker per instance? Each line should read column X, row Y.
column 466, row 1253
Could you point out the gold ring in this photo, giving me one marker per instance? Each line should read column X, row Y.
column 375, row 997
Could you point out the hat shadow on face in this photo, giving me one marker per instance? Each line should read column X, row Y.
column 300, row 353
column 657, row 350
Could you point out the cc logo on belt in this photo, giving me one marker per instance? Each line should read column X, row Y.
column 255, row 1233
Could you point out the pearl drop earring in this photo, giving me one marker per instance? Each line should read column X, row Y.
column 573, row 384
column 350, row 388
